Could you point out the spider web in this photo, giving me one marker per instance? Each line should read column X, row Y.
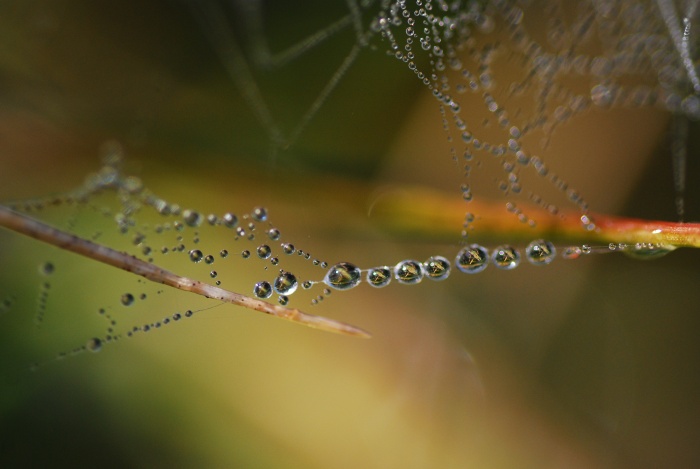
column 505, row 74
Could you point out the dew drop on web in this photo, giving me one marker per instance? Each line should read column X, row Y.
column 409, row 272
column 379, row 276
column 540, row 252
column 472, row 259
column 285, row 283
column 505, row 257
column 343, row 276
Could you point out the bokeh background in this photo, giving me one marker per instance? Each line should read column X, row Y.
column 589, row 363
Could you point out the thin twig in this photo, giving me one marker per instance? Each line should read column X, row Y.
column 36, row 229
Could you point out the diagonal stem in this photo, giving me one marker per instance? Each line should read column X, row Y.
column 36, row 229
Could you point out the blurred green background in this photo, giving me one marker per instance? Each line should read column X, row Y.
column 592, row 363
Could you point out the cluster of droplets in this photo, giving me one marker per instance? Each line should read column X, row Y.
column 634, row 53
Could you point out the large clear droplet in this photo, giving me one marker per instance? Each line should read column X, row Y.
column 505, row 257
column 408, row 272
column 379, row 276
column 343, row 276
column 647, row 251
column 437, row 268
column 540, row 252
column 262, row 289
column 264, row 251
column 285, row 283
column 472, row 259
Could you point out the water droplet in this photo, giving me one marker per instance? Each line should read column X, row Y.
column 274, row 261
column 571, row 252
column 189, row 313
column 273, row 234
column 285, row 283
column 437, row 268
column 245, row 254
column 408, row 272
column 259, row 214
column 306, row 284
column 264, row 251
column 192, row 218
column 586, row 249
column 230, row 220
column 602, row 95
column 94, row 345
column 213, row 274
column 505, row 257
column 379, row 276
column 196, row 255
column 177, row 316
column 209, row 259
column 343, row 276
column 127, row 299
column 540, row 252
column 283, row 300
column 262, row 289
column 647, row 251
column 47, row 268
column 223, row 253
column 472, row 259
column 288, row 248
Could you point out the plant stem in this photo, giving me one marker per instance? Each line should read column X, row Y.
column 36, row 229
column 426, row 214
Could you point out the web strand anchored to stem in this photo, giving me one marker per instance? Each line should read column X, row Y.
column 20, row 223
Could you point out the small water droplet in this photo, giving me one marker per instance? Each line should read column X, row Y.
column 259, row 214
column 472, row 259
column 192, row 218
column 213, row 274
column 571, row 252
column 273, row 234
column 196, row 255
column 127, row 299
column 306, row 284
column 283, row 300
column 264, row 251
column 262, row 289
column 288, row 248
column 379, row 276
column 505, row 257
column 274, row 261
column 437, row 268
column 47, row 268
column 245, row 254
column 94, row 345
column 285, row 283
column 540, row 252
column 209, row 259
column 223, row 253
column 343, row 276
column 408, row 272
column 230, row 220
